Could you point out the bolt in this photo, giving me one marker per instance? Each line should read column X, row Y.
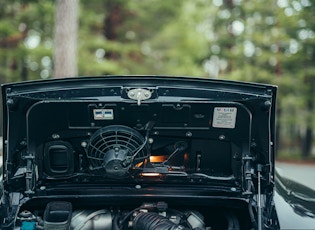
column 83, row 144
column 10, row 102
column 55, row 136
column 221, row 137
column 188, row 134
column 23, row 143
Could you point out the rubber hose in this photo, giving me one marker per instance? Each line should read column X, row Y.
column 153, row 221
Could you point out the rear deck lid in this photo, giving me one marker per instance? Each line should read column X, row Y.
column 130, row 130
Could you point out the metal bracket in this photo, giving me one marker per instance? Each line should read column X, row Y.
column 259, row 212
column 248, row 172
column 139, row 94
column 29, row 175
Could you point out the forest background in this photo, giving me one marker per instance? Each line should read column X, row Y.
column 266, row 41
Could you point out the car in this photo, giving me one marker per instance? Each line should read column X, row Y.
column 294, row 199
column 139, row 152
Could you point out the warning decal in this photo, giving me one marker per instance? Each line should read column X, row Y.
column 224, row 117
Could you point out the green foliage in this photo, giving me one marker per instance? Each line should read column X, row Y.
column 259, row 41
column 6, row 29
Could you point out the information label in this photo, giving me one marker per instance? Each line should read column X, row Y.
column 224, row 117
column 103, row 114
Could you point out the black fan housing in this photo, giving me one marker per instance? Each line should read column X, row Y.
column 116, row 150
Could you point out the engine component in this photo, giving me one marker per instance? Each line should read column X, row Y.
column 153, row 221
column 58, row 158
column 28, row 225
column 27, row 220
column 195, row 219
column 148, row 216
column 116, row 149
column 91, row 219
column 57, row 215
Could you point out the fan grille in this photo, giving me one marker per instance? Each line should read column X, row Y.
column 116, row 143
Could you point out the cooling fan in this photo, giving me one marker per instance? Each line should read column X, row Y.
column 117, row 150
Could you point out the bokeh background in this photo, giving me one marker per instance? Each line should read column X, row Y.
column 266, row 41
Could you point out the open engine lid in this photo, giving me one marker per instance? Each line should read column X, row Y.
column 111, row 130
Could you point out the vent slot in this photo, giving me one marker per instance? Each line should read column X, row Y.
column 58, row 158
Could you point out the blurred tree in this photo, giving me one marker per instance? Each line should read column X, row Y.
column 10, row 38
column 253, row 42
column 27, row 26
column 300, row 16
column 261, row 41
column 65, row 38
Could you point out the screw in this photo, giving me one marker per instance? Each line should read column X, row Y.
column 188, row 134
column 55, row 136
column 83, row 144
column 221, row 137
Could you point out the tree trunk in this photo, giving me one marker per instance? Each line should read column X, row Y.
column 65, row 40
column 307, row 143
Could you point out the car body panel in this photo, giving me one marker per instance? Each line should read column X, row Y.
column 295, row 201
column 149, row 138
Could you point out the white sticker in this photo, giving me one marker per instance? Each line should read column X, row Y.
column 224, row 117
column 103, row 114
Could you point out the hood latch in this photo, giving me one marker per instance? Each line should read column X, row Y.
column 139, row 94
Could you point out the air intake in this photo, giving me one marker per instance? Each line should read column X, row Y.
column 58, row 157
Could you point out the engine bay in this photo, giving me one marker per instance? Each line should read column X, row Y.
column 89, row 149
column 99, row 149
column 147, row 216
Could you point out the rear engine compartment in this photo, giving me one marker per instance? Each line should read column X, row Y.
column 149, row 215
